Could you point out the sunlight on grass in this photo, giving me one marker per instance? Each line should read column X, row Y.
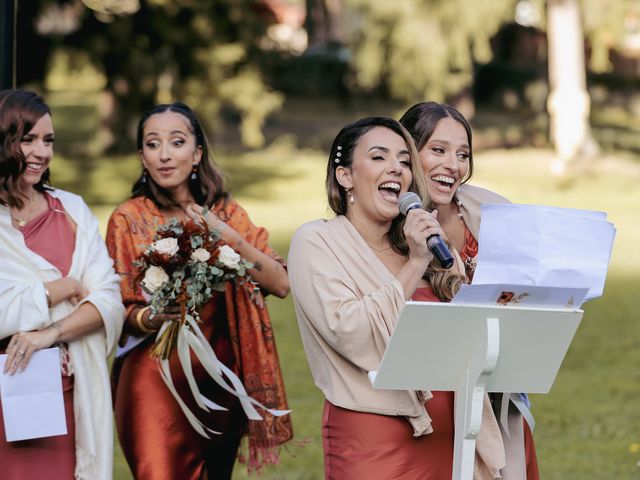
column 589, row 420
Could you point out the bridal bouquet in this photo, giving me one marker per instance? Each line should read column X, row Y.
column 184, row 265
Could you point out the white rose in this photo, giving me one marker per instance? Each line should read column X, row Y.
column 228, row 257
column 200, row 255
column 166, row 246
column 154, row 277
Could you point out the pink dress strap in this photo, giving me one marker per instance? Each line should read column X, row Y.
column 51, row 236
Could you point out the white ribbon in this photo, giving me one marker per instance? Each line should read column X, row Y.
column 190, row 337
column 520, row 405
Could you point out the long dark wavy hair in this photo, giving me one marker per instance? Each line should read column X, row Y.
column 208, row 186
column 20, row 110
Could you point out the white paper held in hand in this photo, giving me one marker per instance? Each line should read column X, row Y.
column 32, row 400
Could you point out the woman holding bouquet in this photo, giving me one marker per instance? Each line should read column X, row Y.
column 179, row 180
column 57, row 289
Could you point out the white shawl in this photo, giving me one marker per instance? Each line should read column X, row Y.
column 23, row 307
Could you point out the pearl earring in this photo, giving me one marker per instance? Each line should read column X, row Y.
column 459, row 203
column 350, row 196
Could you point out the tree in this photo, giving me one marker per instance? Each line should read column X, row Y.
column 323, row 22
column 412, row 50
column 568, row 102
column 204, row 53
column 607, row 26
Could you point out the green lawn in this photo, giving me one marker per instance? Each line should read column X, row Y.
column 588, row 426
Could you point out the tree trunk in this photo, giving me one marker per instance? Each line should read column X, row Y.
column 324, row 22
column 568, row 101
column 7, row 44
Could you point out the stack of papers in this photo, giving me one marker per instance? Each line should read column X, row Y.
column 539, row 256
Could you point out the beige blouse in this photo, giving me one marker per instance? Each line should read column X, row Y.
column 347, row 304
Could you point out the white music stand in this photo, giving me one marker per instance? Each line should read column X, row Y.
column 471, row 350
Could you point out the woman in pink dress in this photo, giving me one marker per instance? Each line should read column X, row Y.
column 57, row 289
column 350, row 278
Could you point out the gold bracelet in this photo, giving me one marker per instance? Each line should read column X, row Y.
column 140, row 320
column 46, row 294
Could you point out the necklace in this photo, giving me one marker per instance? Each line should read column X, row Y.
column 379, row 250
column 21, row 222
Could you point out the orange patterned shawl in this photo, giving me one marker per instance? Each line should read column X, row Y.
column 131, row 229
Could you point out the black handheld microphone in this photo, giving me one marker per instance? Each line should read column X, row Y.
column 409, row 201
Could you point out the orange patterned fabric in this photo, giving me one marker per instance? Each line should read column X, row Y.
column 469, row 253
column 131, row 229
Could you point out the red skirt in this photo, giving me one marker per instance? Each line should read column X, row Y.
column 360, row 445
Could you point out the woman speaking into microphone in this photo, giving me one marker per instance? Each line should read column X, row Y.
column 350, row 278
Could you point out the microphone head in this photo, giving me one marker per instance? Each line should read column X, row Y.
column 408, row 201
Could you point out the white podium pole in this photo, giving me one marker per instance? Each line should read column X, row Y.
column 472, row 350
column 469, row 399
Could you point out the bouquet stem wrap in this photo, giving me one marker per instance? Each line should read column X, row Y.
column 167, row 338
column 189, row 338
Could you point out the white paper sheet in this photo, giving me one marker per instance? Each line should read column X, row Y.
column 131, row 343
column 32, row 401
column 544, row 246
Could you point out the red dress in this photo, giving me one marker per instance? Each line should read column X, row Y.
column 51, row 236
column 156, row 437
column 149, row 420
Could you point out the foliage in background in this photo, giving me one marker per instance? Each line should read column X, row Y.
column 218, row 55
column 203, row 53
column 415, row 50
column 607, row 26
